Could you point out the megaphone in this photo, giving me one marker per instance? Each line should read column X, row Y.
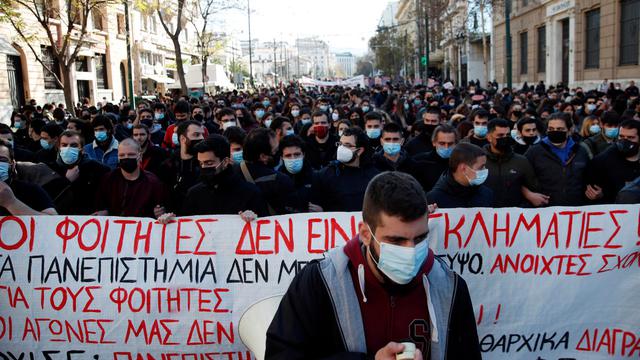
column 255, row 322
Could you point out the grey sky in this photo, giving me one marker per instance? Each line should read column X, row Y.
column 345, row 24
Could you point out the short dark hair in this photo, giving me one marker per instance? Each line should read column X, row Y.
column 71, row 133
column 235, row 135
column 5, row 129
column 631, row 124
column 58, row 114
column 102, row 120
column 392, row 128
column 432, row 110
column 318, row 113
column 256, row 143
column 396, row 194
column 225, row 111
column 278, row 121
column 143, row 127
column 52, row 129
column 561, row 116
column 181, row 129
column 610, row 118
column 445, row 129
column 145, row 110
column 495, row 123
column 373, row 115
column 361, row 138
column 527, row 120
column 9, row 147
column 218, row 144
column 464, row 153
column 182, row 107
column 291, row 141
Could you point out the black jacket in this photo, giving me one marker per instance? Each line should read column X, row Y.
column 419, row 144
column 153, row 157
column 448, row 193
column 341, row 188
column 611, row 171
column 302, row 182
column 307, row 328
column 564, row 183
column 507, row 174
column 228, row 196
column 404, row 163
column 427, row 168
column 596, row 145
column 276, row 187
column 319, row 155
column 78, row 197
column 630, row 194
column 179, row 176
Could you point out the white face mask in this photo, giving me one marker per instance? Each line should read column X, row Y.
column 228, row 124
column 400, row 263
column 344, row 155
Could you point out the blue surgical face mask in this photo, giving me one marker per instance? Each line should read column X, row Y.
column 295, row 113
column 595, row 129
column 129, row 125
column 101, row 135
column 294, row 166
column 365, row 108
column 17, row 124
column 324, row 107
column 259, row 114
column 69, row 155
column 391, row 149
column 335, row 116
column 4, row 171
column 306, row 121
column 155, row 128
column 289, row 132
column 373, row 133
column 444, row 153
column 400, row 263
column 174, row 139
column 266, row 103
column 159, row 116
column 417, row 102
column 480, row 130
column 267, row 123
column 611, row 133
column 236, row 156
column 45, row 144
column 481, row 177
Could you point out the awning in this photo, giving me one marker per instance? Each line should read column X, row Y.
column 159, row 79
column 6, row 48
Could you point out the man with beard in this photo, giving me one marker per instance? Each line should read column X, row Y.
column 422, row 143
column 81, row 176
column 220, row 190
column 152, row 156
column 181, row 171
column 260, row 153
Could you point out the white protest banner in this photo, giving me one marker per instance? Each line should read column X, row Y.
column 557, row 283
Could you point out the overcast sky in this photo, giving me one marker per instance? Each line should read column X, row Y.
column 345, row 24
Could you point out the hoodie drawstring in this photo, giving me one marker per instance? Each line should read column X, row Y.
column 432, row 313
column 361, row 281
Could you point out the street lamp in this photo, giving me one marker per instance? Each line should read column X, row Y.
column 132, row 99
column 460, row 38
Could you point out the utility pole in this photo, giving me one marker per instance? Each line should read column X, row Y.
column 275, row 64
column 426, row 44
column 250, row 46
column 507, row 16
column 132, row 99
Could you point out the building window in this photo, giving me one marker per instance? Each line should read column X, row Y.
column 52, row 63
column 82, row 64
column 145, row 22
column 96, row 15
column 524, row 44
column 525, row 3
column 629, row 31
column 101, row 71
column 592, row 44
column 121, row 24
column 542, row 49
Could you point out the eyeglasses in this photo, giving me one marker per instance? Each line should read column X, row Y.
column 348, row 146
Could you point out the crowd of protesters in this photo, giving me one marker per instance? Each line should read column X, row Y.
column 292, row 149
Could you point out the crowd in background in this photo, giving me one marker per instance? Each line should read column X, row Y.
column 292, row 149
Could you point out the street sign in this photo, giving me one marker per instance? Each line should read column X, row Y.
column 423, row 60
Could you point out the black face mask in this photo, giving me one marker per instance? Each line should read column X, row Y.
column 529, row 140
column 428, row 128
column 212, row 175
column 191, row 146
column 129, row 165
column 557, row 137
column 503, row 144
column 627, row 148
column 198, row 117
column 132, row 117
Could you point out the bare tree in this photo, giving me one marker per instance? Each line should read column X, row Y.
column 169, row 12
column 65, row 31
column 208, row 43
